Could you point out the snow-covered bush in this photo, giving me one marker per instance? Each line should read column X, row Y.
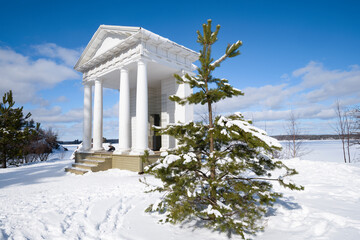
column 41, row 145
column 221, row 171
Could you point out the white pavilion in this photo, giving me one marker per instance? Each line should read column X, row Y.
column 141, row 65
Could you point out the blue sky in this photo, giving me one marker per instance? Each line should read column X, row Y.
column 296, row 55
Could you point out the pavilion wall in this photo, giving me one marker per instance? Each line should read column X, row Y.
column 167, row 110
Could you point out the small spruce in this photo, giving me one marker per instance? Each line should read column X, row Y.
column 16, row 129
column 221, row 171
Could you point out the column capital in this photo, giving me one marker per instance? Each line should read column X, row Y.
column 97, row 79
column 88, row 82
column 124, row 69
column 143, row 61
column 94, row 79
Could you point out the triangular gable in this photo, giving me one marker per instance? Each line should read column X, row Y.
column 109, row 42
column 105, row 38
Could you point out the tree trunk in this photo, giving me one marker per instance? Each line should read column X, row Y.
column 3, row 163
column 348, row 149
column 213, row 163
column 294, row 145
column 344, row 151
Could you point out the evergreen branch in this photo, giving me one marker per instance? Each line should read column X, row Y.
column 202, row 174
column 230, row 52
column 257, row 178
column 211, row 201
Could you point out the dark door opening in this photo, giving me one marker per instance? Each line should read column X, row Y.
column 156, row 140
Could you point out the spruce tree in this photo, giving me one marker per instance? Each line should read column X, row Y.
column 15, row 130
column 221, row 171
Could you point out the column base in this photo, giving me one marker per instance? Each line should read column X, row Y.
column 81, row 150
column 122, row 152
column 97, row 150
column 140, row 152
column 163, row 149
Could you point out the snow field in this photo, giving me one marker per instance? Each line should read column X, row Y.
column 326, row 209
column 41, row 201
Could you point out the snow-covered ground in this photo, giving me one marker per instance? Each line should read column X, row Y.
column 41, row 201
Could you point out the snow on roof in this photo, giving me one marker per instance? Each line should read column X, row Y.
column 127, row 36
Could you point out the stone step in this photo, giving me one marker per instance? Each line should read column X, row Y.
column 77, row 171
column 101, row 158
column 91, row 161
column 84, row 166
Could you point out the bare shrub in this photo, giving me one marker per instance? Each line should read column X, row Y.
column 41, row 145
column 294, row 146
column 344, row 128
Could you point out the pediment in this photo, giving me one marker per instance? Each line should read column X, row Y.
column 105, row 39
column 110, row 41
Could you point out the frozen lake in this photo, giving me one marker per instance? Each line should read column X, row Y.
column 316, row 150
column 325, row 150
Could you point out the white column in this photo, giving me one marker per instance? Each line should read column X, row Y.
column 124, row 112
column 98, row 116
column 87, row 117
column 141, row 108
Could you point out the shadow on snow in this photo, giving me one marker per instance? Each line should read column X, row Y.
column 33, row 173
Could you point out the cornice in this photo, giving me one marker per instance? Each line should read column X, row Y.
column 117, row 61
column 135, row 35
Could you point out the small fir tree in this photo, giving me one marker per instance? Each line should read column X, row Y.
column 15, row 130
column 220, row 172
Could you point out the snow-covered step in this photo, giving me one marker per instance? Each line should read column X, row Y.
column 101, row 158
column 76, row 170
column 91, row 161
column 84, row 166
column 87, row 164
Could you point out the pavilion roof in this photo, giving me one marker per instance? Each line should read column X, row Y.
column 125, row 38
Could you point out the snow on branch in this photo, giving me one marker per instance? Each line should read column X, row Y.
column 228, row 52
column 247, row 127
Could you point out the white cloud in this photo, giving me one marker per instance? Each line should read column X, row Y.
column 326, row 83
column 309, row 91
column 66, row 131
column 265, row 97
column 26, row 76
column 51, row 50
column 55, row 115
column 314, row 111
column 112, row 112
column 56, row 118
column 62, row 99
column 111, row 129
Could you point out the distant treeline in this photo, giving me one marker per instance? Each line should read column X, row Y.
column 77, row 141
column 278, row 137
column 311, row 137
